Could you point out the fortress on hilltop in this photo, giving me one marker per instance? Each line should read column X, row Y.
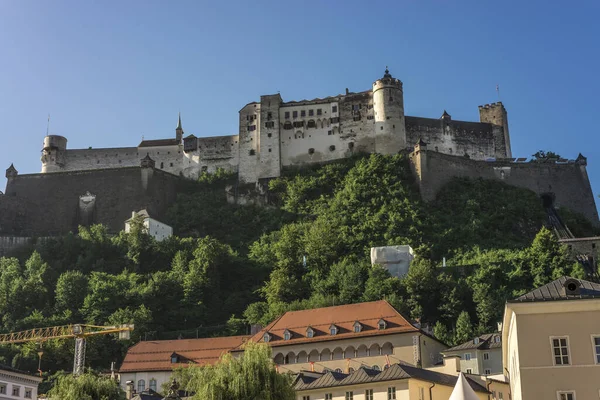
column 104, row 185
column 275, row 134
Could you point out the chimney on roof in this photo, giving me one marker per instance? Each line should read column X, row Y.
column 347, row 91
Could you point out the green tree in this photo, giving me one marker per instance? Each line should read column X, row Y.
column 464, row 329
column 545, row 155
column 85, row 387
column 70, row 292
column 441, row 332
column 251, row 376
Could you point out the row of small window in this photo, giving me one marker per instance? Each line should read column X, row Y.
column 561, row 352
column 391, row 395
column 333, row 330
column 141, row 385
column 467, row 356
column 16, row 391
column 500, row 395
column 311, row 112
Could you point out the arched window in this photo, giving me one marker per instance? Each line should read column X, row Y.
column 338, row 370
column 141, row 385
column 266, row 337
column 287, row 335
column 376, row 368
column 153, row 384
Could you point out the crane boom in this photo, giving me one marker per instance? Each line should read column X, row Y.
column 64, row 332
column 78, row 331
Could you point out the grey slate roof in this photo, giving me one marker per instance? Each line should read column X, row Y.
column 367, row 375
column 486, row 342
column 554, row 291
column 158, row 142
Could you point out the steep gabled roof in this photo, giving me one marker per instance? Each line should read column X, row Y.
column 156, row 355
column 554, row 291
column 486, row 342
column 343, row 317
column 368, row 375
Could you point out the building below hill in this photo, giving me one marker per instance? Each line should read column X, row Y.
column 551, row 339
column 158, row 230
column 344, row 338
column 149, row 364
column 399, row 381
column 481, row 355
column 16, row 384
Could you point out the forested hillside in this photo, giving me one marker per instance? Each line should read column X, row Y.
column 235, row 265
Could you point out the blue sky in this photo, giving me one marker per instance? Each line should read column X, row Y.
column 109, row 72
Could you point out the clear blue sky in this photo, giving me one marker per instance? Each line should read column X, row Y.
column 109, row 72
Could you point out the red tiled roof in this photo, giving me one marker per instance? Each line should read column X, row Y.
column 156, row 355
column 343, row 317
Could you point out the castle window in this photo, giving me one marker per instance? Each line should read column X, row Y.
column 162, row 165
column 270, row 124
column 252, row 128
column 171, row 164
column 298, row 124
column 369, row 117
column 269, row 135
column 311, row 124
column 351, row 145
column 269, row 150
column 319, row 111
column 303, row 113
column 332, row 148
column 295, row 114
column 334, row 120
column 356, row 117
column 269, row 116
column 311, row 151
column 381, row 127
column 391, row 98
column 287, row 125
column 329, row 132
column 287, row 115
column 252, row 152
column 334, row 109
column 311, row 113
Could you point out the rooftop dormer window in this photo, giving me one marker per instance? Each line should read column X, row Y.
column 496, row 339
column 287, row 335
column 174, row 358
column 381, row 325
column 476, row 340
column 357, row 327
column 266, row 337
column 333, row 330
column 310, row 332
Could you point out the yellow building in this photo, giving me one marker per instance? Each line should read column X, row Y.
column 398, row 382
column 551, row 342
column 345, row 338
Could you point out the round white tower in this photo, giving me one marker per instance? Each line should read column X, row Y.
column 53, row 153
column 388, row 105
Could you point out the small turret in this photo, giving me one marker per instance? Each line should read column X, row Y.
column 11, row 172
column 147, row 162
column 446, row 117
column 179, row 130
column 53, row 153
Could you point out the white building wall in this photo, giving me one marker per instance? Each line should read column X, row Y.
column 157, row 229
column 27, row 386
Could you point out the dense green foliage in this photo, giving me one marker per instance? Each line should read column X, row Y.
column 233, row 265
column 85, row 387
column 251, row 376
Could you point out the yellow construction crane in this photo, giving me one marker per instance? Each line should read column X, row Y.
column 78, row 331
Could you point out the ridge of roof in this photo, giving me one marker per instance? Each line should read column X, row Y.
column 554, row 291
column 485, row 342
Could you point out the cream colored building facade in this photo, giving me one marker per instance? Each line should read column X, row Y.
column 481, row 355
column 345, row 338
column 552, row 342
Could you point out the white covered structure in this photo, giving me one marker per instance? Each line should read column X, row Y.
column 158, row 230
column 15, row 384
column 396, row 259
column 462, row 390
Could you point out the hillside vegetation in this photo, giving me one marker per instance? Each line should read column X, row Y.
column 234, row 265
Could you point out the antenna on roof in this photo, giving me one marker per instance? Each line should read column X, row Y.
column 48, row 126
column 498, row 90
